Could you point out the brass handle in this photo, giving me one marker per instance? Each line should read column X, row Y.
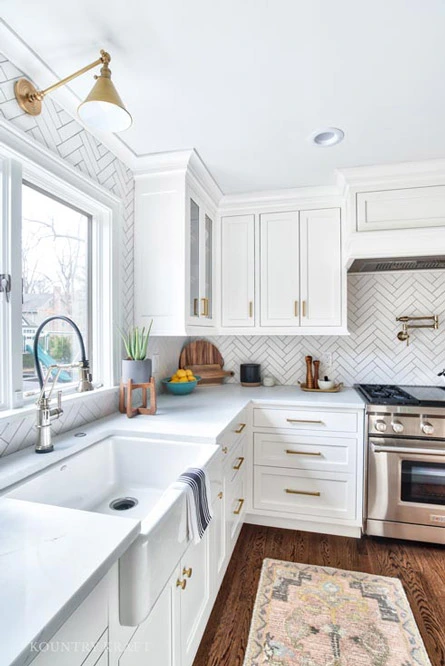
column 240, row 506
column 241, row 460
column 241, row 428
column 181, row 583
column 225, row 449
column 187, row 572
column 296, row 309
column 303, row 421
column 251, row 309
column 220, row 495
column 195, row 307
column 303, row 453
column 302, row 492
column 205, row 307
column 304, row 308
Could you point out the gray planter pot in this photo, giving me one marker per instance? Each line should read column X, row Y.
column 138, row 371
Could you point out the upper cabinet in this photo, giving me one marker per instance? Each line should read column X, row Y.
column 238, row 270
column 280, row 269
column 200, row 262
column 291, row 281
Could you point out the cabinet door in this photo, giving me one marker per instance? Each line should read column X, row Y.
column 218, row 541
column 194, row 597
column 194, row 259
column 280, row 288
column 207, row 257
column 156, row 641
column 238, row 270
column 236, row 496
column 321, row 267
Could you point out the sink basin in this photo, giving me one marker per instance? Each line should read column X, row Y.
column 128, row 477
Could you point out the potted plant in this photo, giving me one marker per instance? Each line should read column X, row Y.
column 136, row 366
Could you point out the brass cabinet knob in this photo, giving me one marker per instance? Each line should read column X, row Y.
column 187, row 572
column 181, row 583
column 225, row 449
column 220, row 495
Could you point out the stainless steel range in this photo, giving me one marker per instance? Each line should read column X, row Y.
column 406, row 461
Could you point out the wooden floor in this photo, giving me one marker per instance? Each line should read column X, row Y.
column 421, row 568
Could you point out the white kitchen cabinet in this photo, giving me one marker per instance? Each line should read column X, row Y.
column 200, row 262
column 218, row 556
column 401, row 208
column 238, row 270
column 280, row 269
column 320, row 268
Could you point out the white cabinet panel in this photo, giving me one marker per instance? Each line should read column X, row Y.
column 238, row 270
column 305, row 419
column 279, row 261
column 401, row 208
column 195, row 597
column 321, row 269
column 218, row 536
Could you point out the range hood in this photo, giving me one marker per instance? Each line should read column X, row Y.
column 431, row 263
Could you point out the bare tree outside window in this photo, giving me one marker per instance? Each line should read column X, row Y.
column 55, row 271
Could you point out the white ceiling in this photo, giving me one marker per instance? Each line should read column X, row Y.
column 246, row 81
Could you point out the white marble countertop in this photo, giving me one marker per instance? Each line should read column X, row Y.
column 50, row 560
column 52, row 557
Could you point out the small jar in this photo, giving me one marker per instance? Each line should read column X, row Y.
column 268, row 380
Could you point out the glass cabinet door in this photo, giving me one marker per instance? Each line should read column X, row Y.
column 208, row 267
column 194, row 259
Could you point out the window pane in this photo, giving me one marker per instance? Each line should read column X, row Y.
column 55, row 269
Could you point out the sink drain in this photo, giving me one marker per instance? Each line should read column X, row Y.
column 123, row 503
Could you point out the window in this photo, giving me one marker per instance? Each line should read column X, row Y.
column 55, row 281
column 59, row 243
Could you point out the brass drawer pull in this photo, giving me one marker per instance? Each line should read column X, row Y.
column 304, row 308
column 187, row 572
column 181, row 583
column 241, row 460
column 302, row 492
column 241, row 428
column 304, row 421
column 296, row 309
column 195, row 307
column 303, row 453
column 240, row 506
column 205, row 307
column 250, row 309
column 224, row 449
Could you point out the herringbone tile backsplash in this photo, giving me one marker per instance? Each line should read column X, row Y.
column 371, row 353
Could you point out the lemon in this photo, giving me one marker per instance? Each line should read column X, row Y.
column 174, row 380
column 192, row 379
column 189, row 373
column 181, row 374
column 182, row 379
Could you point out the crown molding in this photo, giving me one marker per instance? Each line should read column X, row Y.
column 299, row 197
column 396, row 174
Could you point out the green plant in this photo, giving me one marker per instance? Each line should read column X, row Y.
column 136, row 342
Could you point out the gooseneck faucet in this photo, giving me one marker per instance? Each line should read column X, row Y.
column 46, row 413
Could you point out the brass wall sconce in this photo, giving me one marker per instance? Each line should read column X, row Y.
column 103, row 109
column 404, row 335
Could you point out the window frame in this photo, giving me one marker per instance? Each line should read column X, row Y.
column 24, row 160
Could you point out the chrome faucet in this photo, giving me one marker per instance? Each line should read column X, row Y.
column 46, row 413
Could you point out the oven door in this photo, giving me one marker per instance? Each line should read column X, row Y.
column 406, row 481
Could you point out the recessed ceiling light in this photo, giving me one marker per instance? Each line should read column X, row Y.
column 329, row 136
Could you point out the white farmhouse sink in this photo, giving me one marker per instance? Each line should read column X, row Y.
column 132, row 469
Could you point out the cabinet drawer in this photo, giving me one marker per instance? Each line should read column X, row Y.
column 236, row 460
column 233, row 434
column 305, row 419
column 323, row 494
column 329, row 454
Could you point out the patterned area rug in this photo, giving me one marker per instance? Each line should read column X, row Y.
column 318, row 616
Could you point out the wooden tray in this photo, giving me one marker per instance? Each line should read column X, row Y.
column 334, row 389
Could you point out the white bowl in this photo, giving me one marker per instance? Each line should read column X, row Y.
column 325, row 386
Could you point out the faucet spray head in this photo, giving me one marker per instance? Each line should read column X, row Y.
column 85, row 378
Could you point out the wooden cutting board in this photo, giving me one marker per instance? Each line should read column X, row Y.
column 204, row 359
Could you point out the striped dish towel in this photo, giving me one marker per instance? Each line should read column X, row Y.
column 199, row 508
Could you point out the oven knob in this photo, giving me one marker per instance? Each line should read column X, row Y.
column 397, row 426
column 427, row 428
column 380, row 426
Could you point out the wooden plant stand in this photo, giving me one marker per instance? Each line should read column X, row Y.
column 126, row 401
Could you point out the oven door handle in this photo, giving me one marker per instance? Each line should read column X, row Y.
column 407, row 451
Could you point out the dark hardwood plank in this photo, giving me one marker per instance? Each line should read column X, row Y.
column 420, row 567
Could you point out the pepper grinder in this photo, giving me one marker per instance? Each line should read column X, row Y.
column 316, row 373
column 309, row 377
